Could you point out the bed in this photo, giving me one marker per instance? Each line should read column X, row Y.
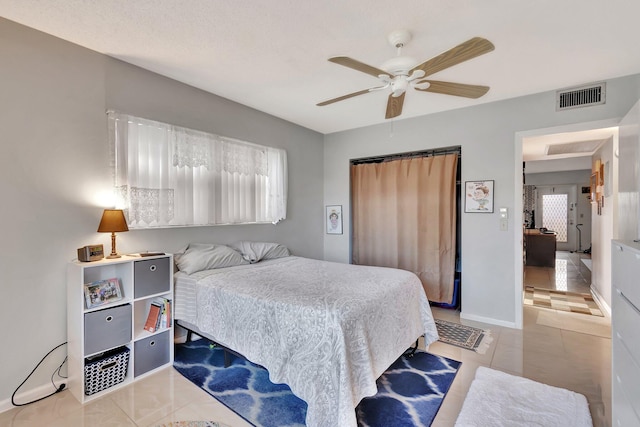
column 328, row 330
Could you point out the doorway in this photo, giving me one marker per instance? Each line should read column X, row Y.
column 603, row 129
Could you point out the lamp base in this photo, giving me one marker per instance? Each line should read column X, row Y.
column 113, row 253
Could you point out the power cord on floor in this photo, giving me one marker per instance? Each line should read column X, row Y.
column 57, row 371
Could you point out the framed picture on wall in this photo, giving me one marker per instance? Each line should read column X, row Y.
column 478, row 196
column 594, row 185
column 333, row 218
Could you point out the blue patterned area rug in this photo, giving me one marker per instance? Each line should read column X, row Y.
column 409, row 394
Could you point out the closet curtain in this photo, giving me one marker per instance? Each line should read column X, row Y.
column 404, row 216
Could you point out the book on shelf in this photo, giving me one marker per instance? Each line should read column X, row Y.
column 103, row 292
column 155, row 311
column 159, row 316
column 165, row 318
column 167, row 304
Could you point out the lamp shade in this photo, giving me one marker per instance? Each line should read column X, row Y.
column 113, row 220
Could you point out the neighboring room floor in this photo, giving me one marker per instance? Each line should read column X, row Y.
column 572, row 273
column 561, row 349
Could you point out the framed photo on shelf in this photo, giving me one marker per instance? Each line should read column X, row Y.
column 102, row 292
column 478, row 196
column 333, row 218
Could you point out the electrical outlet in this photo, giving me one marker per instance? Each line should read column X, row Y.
column 504, row 224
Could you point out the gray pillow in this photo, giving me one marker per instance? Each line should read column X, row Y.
column 207, row 256
column 256, row 251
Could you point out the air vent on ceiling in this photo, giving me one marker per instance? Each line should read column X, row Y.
column 582, row 96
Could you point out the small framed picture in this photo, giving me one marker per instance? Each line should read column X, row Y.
column 102, row 292
column 333, row 217
column 478, row 196
column 593, row 186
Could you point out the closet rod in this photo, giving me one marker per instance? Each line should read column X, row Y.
column 409, row 155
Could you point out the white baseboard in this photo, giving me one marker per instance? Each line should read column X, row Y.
column 29, row 395
column 489, row 320
column 601, row 302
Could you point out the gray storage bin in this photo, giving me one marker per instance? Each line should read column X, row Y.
column 108, row 328
column 151, row 277
column 151, row 352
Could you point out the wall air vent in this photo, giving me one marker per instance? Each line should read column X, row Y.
column 581, row 96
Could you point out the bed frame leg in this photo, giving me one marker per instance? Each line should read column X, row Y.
column 227, row 352
column 412, row 350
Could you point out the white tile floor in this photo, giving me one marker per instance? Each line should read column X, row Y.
column 570, row 273
column 566, row 350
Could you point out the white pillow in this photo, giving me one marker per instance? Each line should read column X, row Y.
column 256, row 251
column 207, row 256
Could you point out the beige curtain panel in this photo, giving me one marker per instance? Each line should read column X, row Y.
column 404, row 216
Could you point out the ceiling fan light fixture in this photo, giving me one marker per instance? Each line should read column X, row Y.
column 416, row 74
column 384, row 78
column 400, row 65
column 399, row 86
column 402, row 72
column 421, row 85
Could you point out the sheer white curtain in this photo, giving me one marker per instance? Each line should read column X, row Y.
column 171, row 176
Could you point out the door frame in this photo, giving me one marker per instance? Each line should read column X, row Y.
column 518, row 183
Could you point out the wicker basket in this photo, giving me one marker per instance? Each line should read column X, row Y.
column 105, row 370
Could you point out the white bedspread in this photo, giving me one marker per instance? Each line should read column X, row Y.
column 328, row 330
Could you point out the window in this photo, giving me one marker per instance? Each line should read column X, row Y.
column 554, row 214
column 169, row 176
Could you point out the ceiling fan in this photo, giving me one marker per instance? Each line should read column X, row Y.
column 402, row 72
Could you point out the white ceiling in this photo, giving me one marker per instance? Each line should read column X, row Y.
column 272, row 55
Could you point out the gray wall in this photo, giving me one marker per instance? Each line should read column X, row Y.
column 55, row 174
column 487, row 134
column 629, row 176
column 605, row 225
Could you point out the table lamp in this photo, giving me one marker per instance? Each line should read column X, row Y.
column 113, row 221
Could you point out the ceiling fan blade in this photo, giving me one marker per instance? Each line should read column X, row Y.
column 463, row 52
column 350, row 95
column 456, row 89
column 394, row 106
column 345, row 61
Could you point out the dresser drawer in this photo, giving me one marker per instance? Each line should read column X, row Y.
column 108, row 328
column 625, row 268
column 152, row 352
column 151, row 277
column 623, row 414
column 626, row 373
column 625, row 324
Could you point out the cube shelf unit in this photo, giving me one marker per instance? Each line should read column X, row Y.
column 93, row 331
